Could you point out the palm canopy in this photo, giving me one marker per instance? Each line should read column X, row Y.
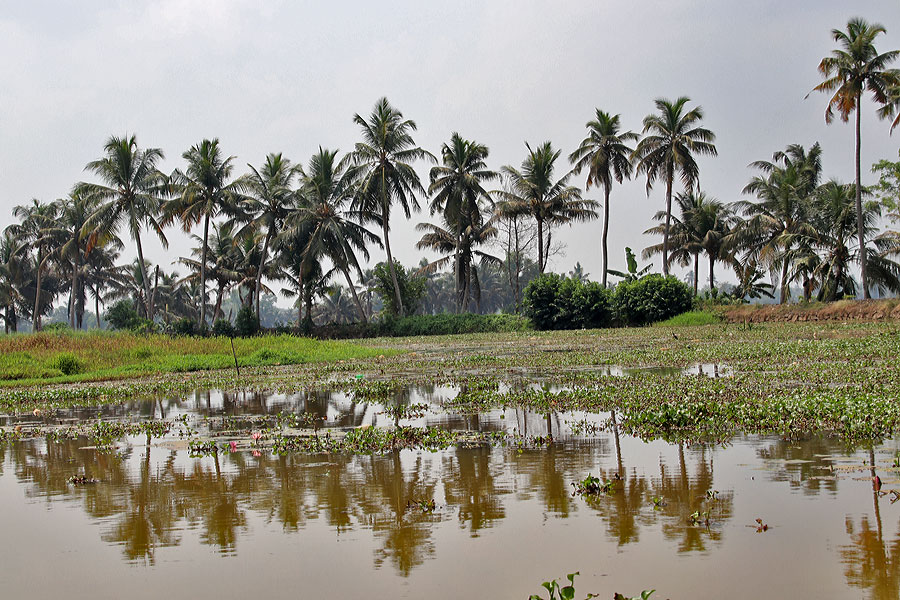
column 382, row 164
column 37, row 230
column 328, row 223
column 458, row 192
column 607, row 157
column 200, row 193
column 131, row 194
column 268, row 198
column 780, row 218
column 534, row 191
column 671, row 140
column 851, row 69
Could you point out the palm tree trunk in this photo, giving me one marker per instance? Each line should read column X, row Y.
column 203, row 272
column 97, row 305
column 712, row 279
column 669, row 176
column 359, row 306
column 696, row 270
column 859, row 213
column 784, row 285
column 390, row 259
column 262, row 264
column 218, row 309
column 605, row 231
column 540, row 234
column 36, row 313
column 144, row 275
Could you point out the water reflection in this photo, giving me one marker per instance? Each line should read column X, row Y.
column 151, row 498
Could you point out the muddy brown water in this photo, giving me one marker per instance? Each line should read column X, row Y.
column 238, row 525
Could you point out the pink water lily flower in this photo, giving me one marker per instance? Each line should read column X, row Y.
column 256, row 435
column 233, row 446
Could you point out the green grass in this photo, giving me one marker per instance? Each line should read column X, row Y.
column 690, row 319
column 73, row 357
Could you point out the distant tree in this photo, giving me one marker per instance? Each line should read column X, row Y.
column 606, row 156
column 383, row 162
column 132, row 195
column 671, row 139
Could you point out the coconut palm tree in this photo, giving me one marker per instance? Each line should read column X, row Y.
column 606, row 156
column 780, row 219
column 200, row 193
column 328, row 221
column 671, row 139
column 533, row 191
column 74, row 212
column 461, row 248
column 685, row 241
column 37, row 231
column 15, row 276
column 458, row 189
column 853, row 68
column 102, row 274
column 222, row 261
column 269, row 198
column 383, row 162
column 133, row 195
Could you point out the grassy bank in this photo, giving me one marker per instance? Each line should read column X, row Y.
column 73, row 357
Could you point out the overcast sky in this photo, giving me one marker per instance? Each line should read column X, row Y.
column 288, row 77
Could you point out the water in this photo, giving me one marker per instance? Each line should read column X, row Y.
column 161, row 523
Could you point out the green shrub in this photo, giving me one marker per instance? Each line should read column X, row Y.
column 694, row 317
column 555, row 302
column 412, row 288
column 67, row 363
column 185, row 326
column 122, row 315
column 246, row 324
column 223, row 328
column 652, row 298
column 58, row 327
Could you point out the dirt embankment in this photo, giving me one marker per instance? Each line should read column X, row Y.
column 843, row 310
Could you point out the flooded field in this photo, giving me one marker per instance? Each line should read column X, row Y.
column 797, row 518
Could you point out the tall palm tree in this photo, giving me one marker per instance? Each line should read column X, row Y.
column 671, row 139
column 383, row 162
column 222, row 261
column 329, row 222
column 37, row 230
column 200, row 193
column 458, row 189
column 133, row 195
column 102, row 273
column 849, row 71
column 533, row 191
column 15, row 268
column 606, row 156
column 269, row 198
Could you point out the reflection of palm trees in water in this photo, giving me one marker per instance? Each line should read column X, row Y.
column 470, row 484
column 869, row 562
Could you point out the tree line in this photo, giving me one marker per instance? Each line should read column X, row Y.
column 304, row 226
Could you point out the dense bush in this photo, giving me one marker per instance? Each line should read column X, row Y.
column 246, row 323
column 223, row 328
column 122, row 315
column 412, row 288
column 442, row 324
column 66, row 362
column 555, row 302
column 652, row 298
column 185, row 326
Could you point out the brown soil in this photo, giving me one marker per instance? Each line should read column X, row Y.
column 842, row 310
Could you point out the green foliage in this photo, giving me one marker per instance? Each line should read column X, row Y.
column 558, row 592
column 691, row 319
column 122, row 315
column 652, row 298
column 185, row 326
column 555, row 302
column 633, row 274
column 888, row 187
column 644, row 595
column 223, row 328
column 411, row 288
column 246, row 324
column 56, row 328
column 67, row 363
column 447, row 324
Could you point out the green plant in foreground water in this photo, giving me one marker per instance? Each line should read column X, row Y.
column 558, row 592
column 593, row 486
column 644, row 595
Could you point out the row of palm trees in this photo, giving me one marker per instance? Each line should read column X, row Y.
column 286, row 222
column 798, row 227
